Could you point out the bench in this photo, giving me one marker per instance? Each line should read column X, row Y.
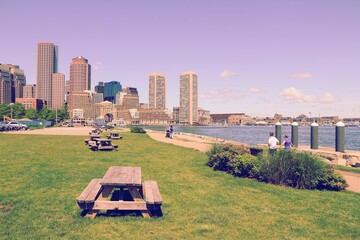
column 87, row 197
column 152, row 195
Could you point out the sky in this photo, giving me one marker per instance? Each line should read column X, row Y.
column 257, row 57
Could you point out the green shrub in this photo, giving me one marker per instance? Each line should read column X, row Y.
column 33, row 127
column 244, row 165
column 298, row 170
column 137, row 130
column 221, row 154
column 288, row 168
column 331, row 180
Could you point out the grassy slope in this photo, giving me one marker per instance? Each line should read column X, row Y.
column 347, row 169
column 41, row 177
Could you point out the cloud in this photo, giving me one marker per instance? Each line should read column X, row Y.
column 97, row 65
column 227, row 73
column 295, row 95
column 255, row 90
column 302, row 75
column 224, row 94
column 328, row 98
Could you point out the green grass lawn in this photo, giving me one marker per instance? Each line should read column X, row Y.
column 41, row 177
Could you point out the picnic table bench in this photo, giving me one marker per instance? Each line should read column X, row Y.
column 92, row 138
column 145, row 197
column 102, row 145
column 115, row 136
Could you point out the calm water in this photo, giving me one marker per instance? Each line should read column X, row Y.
column 259, row 134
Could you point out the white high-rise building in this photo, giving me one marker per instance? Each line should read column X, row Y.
column 157, row 91
column 188, row 111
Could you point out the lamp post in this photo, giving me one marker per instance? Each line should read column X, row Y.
column 56, row 116
column 11, row 108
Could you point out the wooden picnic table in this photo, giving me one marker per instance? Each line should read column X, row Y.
column 96, row 195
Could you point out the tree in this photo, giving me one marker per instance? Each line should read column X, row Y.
column 31, row 114
column 51, row 116
column 18, row 110
column 5, row 110
column 44, row 113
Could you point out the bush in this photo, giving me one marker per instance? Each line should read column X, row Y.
column 33, row 127
column 298, row 170
column 221, row 154
column 137, row 130
column 288, row 168
column 244, row 165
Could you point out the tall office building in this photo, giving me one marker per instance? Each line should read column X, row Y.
column 80, row 74
column 110, row 91
column 46, row 65
column 128, row 98
column 18, row 81
column 58, row 90
column 99, row 88
column 67, row 86
column 157, row 91
column 29, row 91
column 5, row 84
column 12, row 81
column 188, row 112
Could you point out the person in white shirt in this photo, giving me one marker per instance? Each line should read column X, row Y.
column 273, row 141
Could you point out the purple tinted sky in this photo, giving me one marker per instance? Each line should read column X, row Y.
column 258, row 57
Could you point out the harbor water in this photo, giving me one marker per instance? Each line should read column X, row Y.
column 254, row 135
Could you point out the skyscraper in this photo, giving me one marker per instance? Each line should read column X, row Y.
column 157, row 91
column 12, row 81
column 110, row 91
column 188, row 112
column 5, row 84
column 58, row 90
column 29, row 91
column 80, row 74
column 46, row 65
column 99, row 88
column 128, row 98
column 18, row 81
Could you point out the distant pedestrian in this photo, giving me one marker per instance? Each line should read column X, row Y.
column 273, row 141
column 287, row 143
column 167, row 135
column 171, row 131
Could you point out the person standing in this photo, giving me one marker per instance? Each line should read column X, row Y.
column 171, row 131
column 273, row 141
column 287, row 143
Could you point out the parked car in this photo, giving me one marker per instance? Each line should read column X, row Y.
column 3, row 127
column 17, row 126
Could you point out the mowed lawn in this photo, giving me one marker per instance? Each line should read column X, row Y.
column 41, row 177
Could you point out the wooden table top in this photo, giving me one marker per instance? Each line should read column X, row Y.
column 122, row 176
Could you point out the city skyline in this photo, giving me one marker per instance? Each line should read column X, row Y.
column 256, row 57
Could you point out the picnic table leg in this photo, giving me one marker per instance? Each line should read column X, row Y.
column 137, row 198
column 105, row 193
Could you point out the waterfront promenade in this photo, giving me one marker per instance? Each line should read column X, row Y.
column 196, row 142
